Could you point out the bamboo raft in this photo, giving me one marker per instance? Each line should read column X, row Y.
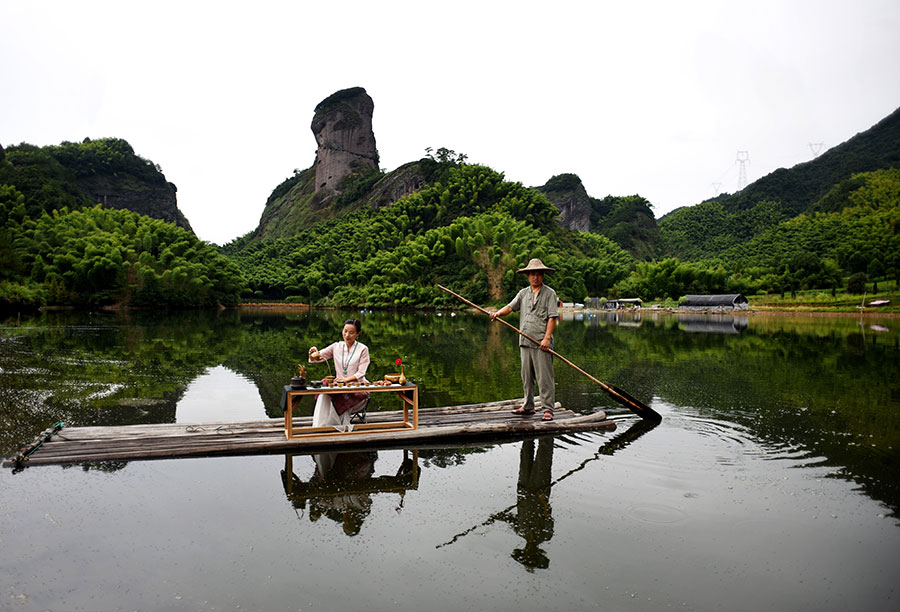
column 448, row 424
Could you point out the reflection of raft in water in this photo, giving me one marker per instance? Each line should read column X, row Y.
column 342, row 486
column 449, row 424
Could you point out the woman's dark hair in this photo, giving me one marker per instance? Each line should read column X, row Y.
column 355, row 323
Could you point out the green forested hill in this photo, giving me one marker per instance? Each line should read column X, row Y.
column 627, row 221
column 77, row 175
column 470, row 230
column 862, row 230
column 709, row 229
column 819, row 250
column 465, row 226
column 58, row 246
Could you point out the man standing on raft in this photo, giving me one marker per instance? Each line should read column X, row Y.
column 538, row 304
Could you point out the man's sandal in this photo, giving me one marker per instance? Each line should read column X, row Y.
column 548, row 415
column 523, row 412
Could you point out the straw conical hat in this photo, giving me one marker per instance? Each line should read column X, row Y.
column 536, row 265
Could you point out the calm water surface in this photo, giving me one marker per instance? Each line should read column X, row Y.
column 772, row 482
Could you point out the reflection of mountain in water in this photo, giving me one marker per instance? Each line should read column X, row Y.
column 712, row 323
column 342, row 486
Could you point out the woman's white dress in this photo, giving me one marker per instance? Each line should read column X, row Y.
column 355, row 361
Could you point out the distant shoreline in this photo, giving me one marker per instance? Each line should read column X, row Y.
column 870, row 312
column 272, row 306
column 759, row 311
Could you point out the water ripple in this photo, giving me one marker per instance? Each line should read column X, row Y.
column 657, row 514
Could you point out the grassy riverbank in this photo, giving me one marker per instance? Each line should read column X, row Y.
column 824, row 301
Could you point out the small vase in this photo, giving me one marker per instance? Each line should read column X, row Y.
column 402, row 380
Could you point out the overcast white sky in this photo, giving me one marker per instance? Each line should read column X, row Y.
column 652, row 97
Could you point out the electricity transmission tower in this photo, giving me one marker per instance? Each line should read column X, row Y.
column 743, row 158
column 816, row 148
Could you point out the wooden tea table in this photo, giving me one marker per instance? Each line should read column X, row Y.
column 409, row 395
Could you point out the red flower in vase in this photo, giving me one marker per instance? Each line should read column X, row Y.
column 399, row 363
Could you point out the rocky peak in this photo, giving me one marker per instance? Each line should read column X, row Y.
column 342, row 125
column 567, row 193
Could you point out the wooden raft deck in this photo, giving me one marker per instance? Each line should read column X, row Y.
column 172, row 440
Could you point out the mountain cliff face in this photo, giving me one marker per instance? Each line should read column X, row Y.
column 155, row 200
column 342, row 125
column 568, row 194
column 403, row 181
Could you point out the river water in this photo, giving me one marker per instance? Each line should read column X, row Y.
column 772, row 482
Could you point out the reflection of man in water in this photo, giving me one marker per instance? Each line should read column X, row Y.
column 534, row 518
column 342, row 470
